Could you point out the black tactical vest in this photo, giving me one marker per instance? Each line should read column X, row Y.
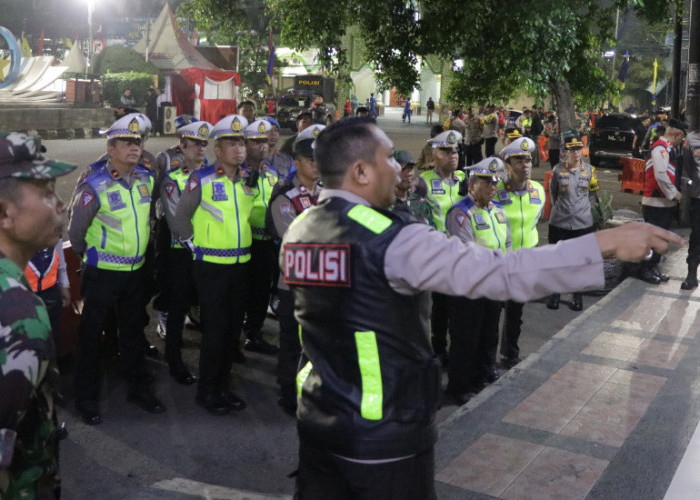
column 370, row 383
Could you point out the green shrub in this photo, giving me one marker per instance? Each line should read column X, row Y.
column 114, row 85
column 119, row 59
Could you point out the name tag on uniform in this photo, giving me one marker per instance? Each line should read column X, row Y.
column 219, row 193
column 504, row 198
column 319, row 265
column 247, row 190
column 271, row 180
column 115, row 201
column 501, row 217
column 145, row 195
column 436, row 186
column 305, row 202
column 535, row 197
column 480, row 222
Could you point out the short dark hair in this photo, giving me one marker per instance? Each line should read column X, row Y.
column 249, row 102
column 340, row 145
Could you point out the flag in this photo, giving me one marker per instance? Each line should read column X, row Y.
column 624, row 68
column 41, row 43
column 271, row 62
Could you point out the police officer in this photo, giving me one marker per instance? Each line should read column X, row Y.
column 263, row 252
column 569, row 190
column 212, row 220
column 474, row 333
column 179, row 286
column 281, row 162
column 443, row 186
column 691, row 168
column 369, row 386
column 523, row 201
column 407, row 196
column 109, row 229
column 290, row 198
column 660, row 198
column 31, row 218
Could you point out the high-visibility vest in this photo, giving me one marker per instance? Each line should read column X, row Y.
column 524, row 212
column 441, row 195
column 221, row 223
column 42, row 276
column 266, row 182
column 489, row 225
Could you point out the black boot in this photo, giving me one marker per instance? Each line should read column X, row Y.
column 691, row 281
column 576, row 302
column 553, row 302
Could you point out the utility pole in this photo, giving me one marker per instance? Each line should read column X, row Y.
column 693, row 98
column 676, row 80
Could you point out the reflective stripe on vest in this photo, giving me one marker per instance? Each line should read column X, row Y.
column 222, row 233
column 441, row 196
column 524, row 212
column 257, row 217
column 117, row 237
column 49, row 278
column 370, row 374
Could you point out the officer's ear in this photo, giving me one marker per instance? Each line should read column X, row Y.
column 360, row 173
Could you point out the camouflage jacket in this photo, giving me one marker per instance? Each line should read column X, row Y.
column 28, row 382
column 417, row 204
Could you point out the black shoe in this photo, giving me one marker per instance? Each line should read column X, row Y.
column 146, row 400
column 576, row 302
column 647, row 274
column 663, row 277
column 689, row 283
column 214, row 403
column 553, row 302
column 234, row 402
column 508, row 363
column 182, row 375
column 258, row 344
column 151, row 351
column 492, row 375
column 88, row 411
column 289, row 408
column 238, row 357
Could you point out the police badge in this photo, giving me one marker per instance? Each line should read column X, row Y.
column 219, row 191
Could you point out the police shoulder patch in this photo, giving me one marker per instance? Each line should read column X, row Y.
column 192, row 184
column 87, row 198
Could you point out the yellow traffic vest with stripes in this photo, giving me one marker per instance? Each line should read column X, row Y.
column 266, row 182
column 441, row 195
column 117, row 236
column 524, row 209
column 221, row 223
column 489, row 225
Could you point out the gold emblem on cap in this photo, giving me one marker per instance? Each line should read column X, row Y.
column 451, row 138
column 134, row 126
column 524, row 146
column 493, row 166
column 261, row 127
column 236, row 125
column 204, row 130
column 315, row 133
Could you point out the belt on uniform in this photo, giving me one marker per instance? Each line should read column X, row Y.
column 200, row 252
column 118, row 259
column 260, row 231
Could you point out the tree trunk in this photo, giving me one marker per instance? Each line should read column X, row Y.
column 564, row 103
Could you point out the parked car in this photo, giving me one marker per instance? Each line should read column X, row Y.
column 614, row 137
column 294, row 102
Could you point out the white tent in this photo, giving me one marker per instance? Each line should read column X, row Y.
column 168, row 47
column 75, row 60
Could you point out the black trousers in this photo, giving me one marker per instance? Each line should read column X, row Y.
column 661, row 217
column 290, row 348
column 440, row 322
column 261, row 269
column 54, row 305
column 180, row 289
column 222, row 291
column 474, row 340
column 474, row 155
column 513, row 320
column 694, row 242
column 103, row 290
column 490, row 146
column 324, row 476
column 557, row 234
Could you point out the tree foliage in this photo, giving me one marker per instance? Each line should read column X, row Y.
column 120, row 59
column 234, row 22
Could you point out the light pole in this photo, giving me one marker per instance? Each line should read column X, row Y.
column 91, row 10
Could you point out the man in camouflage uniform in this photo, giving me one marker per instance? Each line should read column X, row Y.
column 31, row 218
column 408, row 197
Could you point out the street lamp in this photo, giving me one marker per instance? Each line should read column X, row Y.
column 91, row 10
